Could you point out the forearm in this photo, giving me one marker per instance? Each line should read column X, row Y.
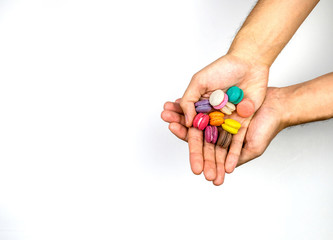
column 268, row 28
column 307, row 102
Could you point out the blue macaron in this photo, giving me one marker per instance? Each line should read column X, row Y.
column 235, row 94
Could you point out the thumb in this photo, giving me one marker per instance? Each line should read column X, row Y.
column 249, row 154
column 192, row 94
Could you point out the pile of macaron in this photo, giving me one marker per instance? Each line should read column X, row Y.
column 211, row 112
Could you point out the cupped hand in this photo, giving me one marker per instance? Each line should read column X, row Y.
column 222, row 74
column 262, row 128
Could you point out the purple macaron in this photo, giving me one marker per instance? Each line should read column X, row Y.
column 211, row 134
column 203, row 106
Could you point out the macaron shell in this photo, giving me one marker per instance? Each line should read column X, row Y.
column 203, row 109
column 216, row 114
column 202, row 102
column 229, row 129
column 245, row 108
column 223, row 103
column 216, row 121
column 215, row 134
column 233, row 123
column 216, row 97
column 208, row 134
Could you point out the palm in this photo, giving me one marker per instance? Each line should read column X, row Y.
column 222, row 74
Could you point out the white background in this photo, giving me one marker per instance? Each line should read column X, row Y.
column 85, row 155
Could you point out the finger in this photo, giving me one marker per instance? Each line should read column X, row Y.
column 178, row 100
column 195, row 143
column 191, row 95
column 170, row 116
column 209, row 161
column 179, row 130
column 220, row 155
column 173, row 106
column 235, row 150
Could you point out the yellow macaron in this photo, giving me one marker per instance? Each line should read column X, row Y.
column 231, row 126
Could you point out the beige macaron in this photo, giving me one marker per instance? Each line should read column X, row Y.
column 228, row 108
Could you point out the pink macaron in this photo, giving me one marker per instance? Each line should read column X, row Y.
column 223, row 103
column 201, row 121
column 245, row 108
column 211, row 134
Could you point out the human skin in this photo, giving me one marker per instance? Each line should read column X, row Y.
column 263, row 35
column 282, row 108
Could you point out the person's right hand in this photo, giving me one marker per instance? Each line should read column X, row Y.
column 265, row 124
column 225, row 72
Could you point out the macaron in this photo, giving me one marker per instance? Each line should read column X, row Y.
column 216, row 118
column 216, row 98
column 200, row 121
column 223, row 103
column 231, row 126
column 211, row 134
column 224, row 139
column 203, row 106
column 235, row 94
column 245, row 108
column 228, row 108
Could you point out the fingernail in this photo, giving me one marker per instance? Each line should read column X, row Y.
column 186, row 120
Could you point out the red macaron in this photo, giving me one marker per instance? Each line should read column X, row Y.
column 201, row 121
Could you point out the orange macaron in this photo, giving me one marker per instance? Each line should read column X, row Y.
column 216, row 118
column 245, row 108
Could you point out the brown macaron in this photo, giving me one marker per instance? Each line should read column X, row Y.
column 224, row 139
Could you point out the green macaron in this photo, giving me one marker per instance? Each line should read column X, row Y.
column 235, row 94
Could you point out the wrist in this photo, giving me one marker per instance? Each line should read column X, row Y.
column 255, row 49
column 290, row 105
column 278, row 100
column 245, row 58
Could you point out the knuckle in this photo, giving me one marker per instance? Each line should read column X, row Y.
column 257, row 152
column 195, row 77
column 182, row 103
column 198, row 80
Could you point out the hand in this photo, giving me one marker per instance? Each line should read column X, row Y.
column 265, row 124
column 223, row 73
